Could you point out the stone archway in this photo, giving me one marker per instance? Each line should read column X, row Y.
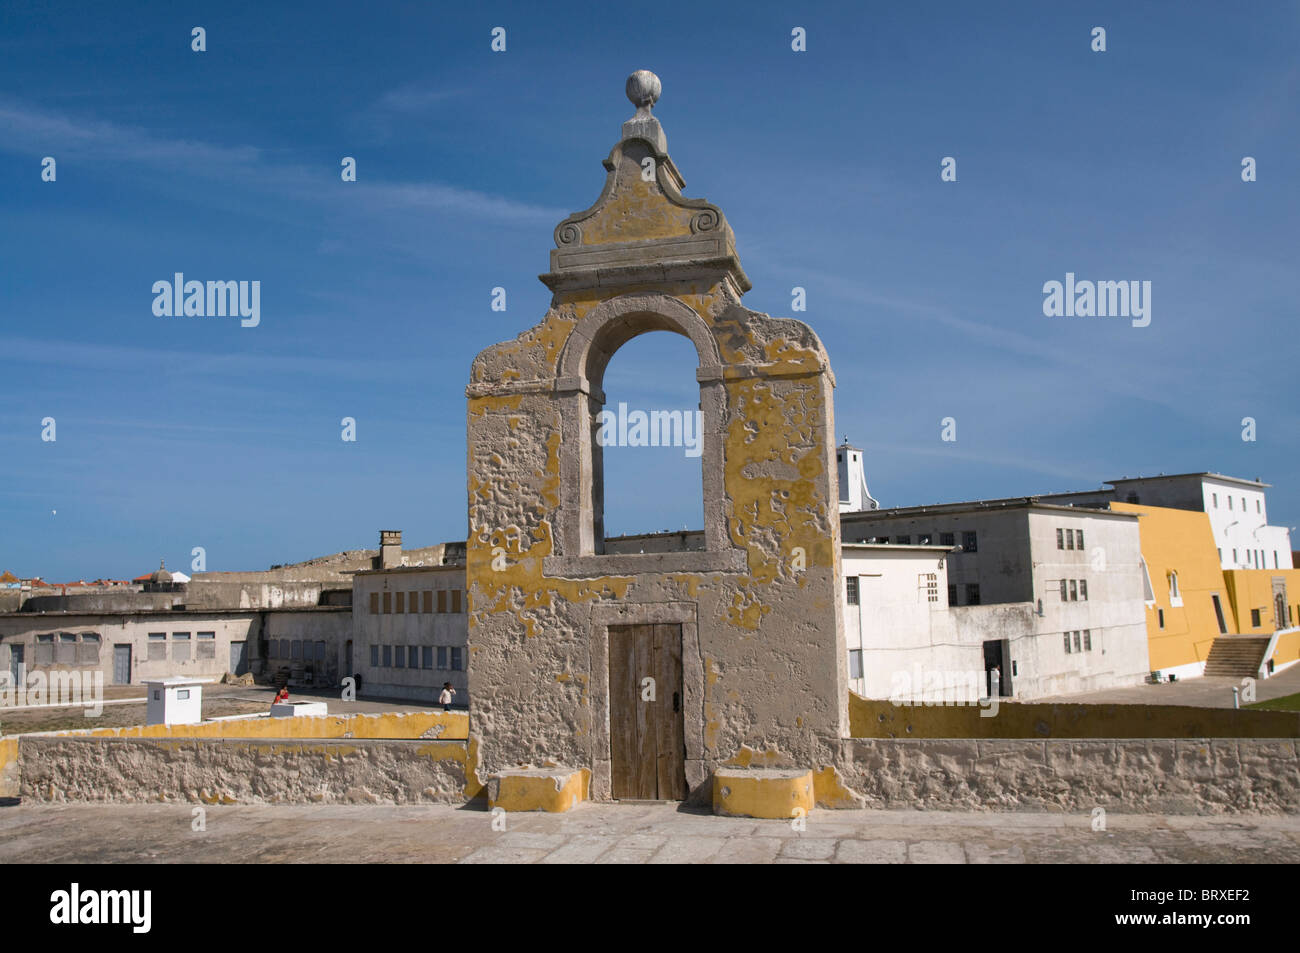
column 759, row 610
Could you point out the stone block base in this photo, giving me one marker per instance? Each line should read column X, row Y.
column 539, row 789
column 762, row 792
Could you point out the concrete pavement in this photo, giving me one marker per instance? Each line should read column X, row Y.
column 622, row 833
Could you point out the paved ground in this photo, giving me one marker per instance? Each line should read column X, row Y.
column 1197, row 692
column 622, row 833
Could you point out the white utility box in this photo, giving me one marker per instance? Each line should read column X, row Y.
column 299, row 709
column 174, row 701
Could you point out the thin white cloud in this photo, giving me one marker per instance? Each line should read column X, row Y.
column 30, row 132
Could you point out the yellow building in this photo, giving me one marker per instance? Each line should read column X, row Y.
column 1192, row 603
column 1264, row 602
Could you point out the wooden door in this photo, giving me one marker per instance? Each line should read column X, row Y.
column 647, row 733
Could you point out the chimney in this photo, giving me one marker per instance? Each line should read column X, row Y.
column 390, row 548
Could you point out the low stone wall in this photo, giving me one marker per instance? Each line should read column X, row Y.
column 243, row 771
column 880, row 718
column 1166, row 776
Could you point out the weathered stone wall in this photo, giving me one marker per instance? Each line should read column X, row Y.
column 1170, row 776
column 242, row 771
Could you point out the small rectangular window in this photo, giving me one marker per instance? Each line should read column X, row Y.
column 851, row 589
column 180, row 646
column 442, row 656
column 1065, row 591
column 1076, row 640
column 399, row 602
column 320, row 651
column 968, row 543
column 399, row 656
column 1229, row 502
column 1083, row 590
column 374, row 656
column 427, row 606
column 1087, row 640
column 455, row 660
column 206, row 648
column 1215, row 498
column 947, row 539
column 413, row 656
column 1160, row 617
column 1254, row 618
column 442, row 600
column 924, row 539
column 903, row 540
column 388, row 656
column 1074, row 591
column 427, row 656
column 972, row 594
column 1078, row 539
column 157, row 647
column 388, row 602
column 374, row 603
column 1067, row 643
column 455, row 600
column 1060, row 538
column 855, row 663
column 1069, row 539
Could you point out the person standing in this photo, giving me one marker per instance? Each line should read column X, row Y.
column 445, row 698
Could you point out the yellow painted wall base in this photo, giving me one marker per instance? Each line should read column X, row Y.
column 764, row 792
column 539, row 789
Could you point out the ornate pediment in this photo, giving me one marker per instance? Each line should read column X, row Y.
column 642, row 229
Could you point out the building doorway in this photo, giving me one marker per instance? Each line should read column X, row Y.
column 238, row 658
column 121, row 664
column 997, row 668
column 16, row 664
column 647, row 733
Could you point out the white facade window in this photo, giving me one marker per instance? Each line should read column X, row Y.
column 855, row 663
column 1175, row 597
column 851, row 589
column 180, row 646
column 1148, row 591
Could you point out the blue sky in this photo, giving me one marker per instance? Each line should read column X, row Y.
column 181, row 432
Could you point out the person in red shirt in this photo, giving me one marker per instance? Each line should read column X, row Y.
column 282, row 696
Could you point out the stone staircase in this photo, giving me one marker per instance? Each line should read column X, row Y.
column 1237, row 656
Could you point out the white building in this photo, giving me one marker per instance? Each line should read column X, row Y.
column 1238, row 511
column 1051, row 596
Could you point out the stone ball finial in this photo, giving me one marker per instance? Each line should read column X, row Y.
column 643, row 88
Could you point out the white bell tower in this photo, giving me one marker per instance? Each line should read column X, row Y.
column 854, row 495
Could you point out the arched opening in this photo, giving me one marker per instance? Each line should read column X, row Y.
column 648, row 444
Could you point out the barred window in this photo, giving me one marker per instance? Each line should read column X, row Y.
column 207, row 645
column 157, row 647
column 180, row 646
column 851, row 589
